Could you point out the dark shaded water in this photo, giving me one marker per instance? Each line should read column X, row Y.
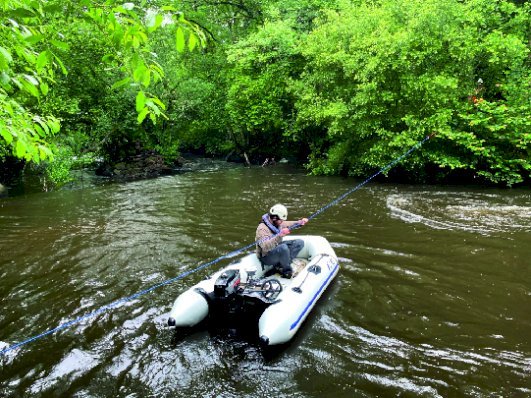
column 433, row 298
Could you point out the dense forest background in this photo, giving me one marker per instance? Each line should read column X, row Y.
column 343, row 86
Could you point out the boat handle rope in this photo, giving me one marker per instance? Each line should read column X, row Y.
column 183, row 275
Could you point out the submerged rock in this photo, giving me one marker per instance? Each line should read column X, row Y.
column 147, row 164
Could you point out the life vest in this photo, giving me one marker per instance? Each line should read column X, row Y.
column 266, row 221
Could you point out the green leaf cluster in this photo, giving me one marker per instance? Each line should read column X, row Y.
column 27, row 59
column 105, row 59
column 380, row 78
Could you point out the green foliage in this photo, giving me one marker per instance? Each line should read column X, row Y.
column 259, row 99
column 25, row 74
column 378, row 79
column 38, row 38
column 197, row 115
column 57, row 171
column 345, row 85
column 130, row 28
column 499, row 137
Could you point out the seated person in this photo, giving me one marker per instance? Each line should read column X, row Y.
column 270, row 247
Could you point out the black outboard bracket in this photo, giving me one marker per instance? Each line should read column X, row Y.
column 227, row 283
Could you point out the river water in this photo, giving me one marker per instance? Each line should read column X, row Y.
column 433, row 298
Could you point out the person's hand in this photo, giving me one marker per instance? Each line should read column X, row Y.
column 285, row 231
column 303, row 221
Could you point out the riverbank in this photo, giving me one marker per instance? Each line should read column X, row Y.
column 98, row 173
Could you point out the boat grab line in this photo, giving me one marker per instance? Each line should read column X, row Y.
column 315, row 296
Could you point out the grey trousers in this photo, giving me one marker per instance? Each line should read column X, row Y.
column 282, row 255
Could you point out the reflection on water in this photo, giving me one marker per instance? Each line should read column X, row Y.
column 432, row 298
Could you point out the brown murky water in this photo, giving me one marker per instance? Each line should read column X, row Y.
column 433, row 298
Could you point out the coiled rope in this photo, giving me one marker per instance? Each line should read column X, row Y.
column 116, row 303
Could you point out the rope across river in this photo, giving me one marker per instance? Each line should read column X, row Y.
column 183, row 275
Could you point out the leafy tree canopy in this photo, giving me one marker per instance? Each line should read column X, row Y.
column 344, row 86
column 38, row 37
column 379, row 78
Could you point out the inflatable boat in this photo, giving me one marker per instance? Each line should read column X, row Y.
column 248, row 290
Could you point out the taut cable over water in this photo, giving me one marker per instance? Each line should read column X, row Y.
column 123, row 300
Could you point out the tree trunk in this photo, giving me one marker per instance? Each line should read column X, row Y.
column 229, row 155
column 246, row 159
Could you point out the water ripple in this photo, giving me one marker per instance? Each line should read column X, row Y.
column 482, row 213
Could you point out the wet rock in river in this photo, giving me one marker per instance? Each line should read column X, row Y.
column 147, row 164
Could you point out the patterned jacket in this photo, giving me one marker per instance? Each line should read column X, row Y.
column 262, row 232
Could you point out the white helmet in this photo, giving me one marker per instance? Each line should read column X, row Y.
column 280, row 211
